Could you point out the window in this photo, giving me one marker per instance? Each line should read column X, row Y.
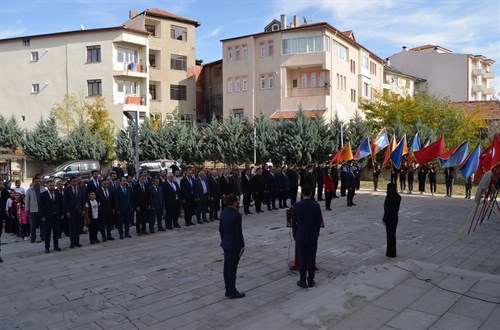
column 237, row 85
column 94, row 87
column 151, row 29
column 271, row 81
column 364, row 60
column 93, row 54
column 353, row 95
column 26, row 42
column 302, row 42
column 340, row 51
column 295, row 83
column 35, row 88
column 178, row 92
column 237, row 53
column 244, row 49
column 341, row 82
column 230, row 54
column 304, row 80
column 373, row 68
column 126, row 55
column 245, row 83
column 322, row 79
column 270, row 48
column 305, row 45
column 34, row 56
column 313, row 79
column 229, row 85
column 238, row 113
column 178, row 33
column 353, row 66
column 128, row 87
column 152, row 91
column 275, row 27
column 152, row 60
column 178, row 62
column 187, row 119
column 262, row 82
column 366, row 90
column 262, row 49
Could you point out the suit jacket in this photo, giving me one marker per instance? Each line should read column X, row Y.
column 226, row 186
column 198, row 188
column 156, row 198
column 140, row 196
column 123, row 200
column 92, row 187
column 258, row 184
column 106, row 205
column 74, row 205
column 306, row 220
column 171, row 197
column 51, row 209
column 187, row 189
column 246, row 184
column 213, row 187
column 230, row 230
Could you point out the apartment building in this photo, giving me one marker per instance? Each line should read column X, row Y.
column 171, row 62
column 399, row 82
column 211, row 82
column 461, row 77
column 37, row 71
column 312, row 66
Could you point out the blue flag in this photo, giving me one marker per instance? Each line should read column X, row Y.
column 457, row 157
column 364, row 150
column 471, row 164
column 397, row 154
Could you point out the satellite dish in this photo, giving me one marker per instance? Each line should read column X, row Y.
column 483, row 185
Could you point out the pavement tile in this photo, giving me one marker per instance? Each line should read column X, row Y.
column 455, row 321
column 412, row 319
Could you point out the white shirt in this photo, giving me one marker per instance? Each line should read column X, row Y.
column 94, row 206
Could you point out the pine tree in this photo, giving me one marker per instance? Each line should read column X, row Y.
column 11, row 135
column 43, row 143
column 357, row 130
column 83, row 144
column 125, row 144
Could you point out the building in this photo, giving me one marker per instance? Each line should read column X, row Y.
column 461, row 77
column 400, row 83
column 314, row 66
column 37, row 71
column 211, row 81
column 171, row 62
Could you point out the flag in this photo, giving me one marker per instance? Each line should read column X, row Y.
column 431, row 152
column 415, row 146
column 471, row 164
column 489, row 158
column 389, row 150
column 380, row 142
column 363, row 149
column 457, row 157
column 399, row 152
column 344, row 154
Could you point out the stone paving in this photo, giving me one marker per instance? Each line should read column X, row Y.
column 173, row 279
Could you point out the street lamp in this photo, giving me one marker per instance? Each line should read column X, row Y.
column 136, row 137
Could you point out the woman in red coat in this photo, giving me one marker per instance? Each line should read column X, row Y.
column 329, row 188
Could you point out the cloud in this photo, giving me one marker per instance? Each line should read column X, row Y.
column 10, row 33
column 211, row 34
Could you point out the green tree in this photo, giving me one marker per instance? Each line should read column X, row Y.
column 11, row 135
column 266, row 139
column 83, row 144
column 234, row 141
column 125, row 144
column 69, row 113
column 99, row 121
column 357, row 130
column 150, row 143
column 43, row 143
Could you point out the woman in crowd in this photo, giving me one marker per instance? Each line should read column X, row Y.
column 390, row 219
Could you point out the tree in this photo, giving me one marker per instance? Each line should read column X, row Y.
column 43, row 143
column 266, row 138
column 69, row 113
column 125, row 144
column 83, row 144
column 235, row 141
column 99, row 121
column 357, row 130
column 150, row 143
column 11, row 135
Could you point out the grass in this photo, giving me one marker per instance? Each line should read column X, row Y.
column 458, row 189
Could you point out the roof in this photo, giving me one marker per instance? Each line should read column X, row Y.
column 424, row 47
column 349, row 34
column 291, row 114
column 392, row 69
column 166, row 14
column 309, row 26
column 121, row 27
column 490, row 109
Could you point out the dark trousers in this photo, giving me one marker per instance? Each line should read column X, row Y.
column 172, row 214
column 328, row 198
column 231, row 260
column 410, row 183
column 106, row 223
column 282, row 197
column 123, row 222
column 306, row 251
column 271, row 200
column 141, row 218
column 402, row 182
column 394, row 178
column 432, row 183
column 468, row 190
column 247, row 198
column 391, row 240
column 52, row 225
column 34, row 223
column 320, row 191
column 93, row 230
column 257, row 197
column 293, row 195
column 214, row 207
column 449, row 187
column 375, row 183
column 188, row 212
column 343, row 183
column 201, row 208
column 75, row 224
column 155, row 214
column 350, row 196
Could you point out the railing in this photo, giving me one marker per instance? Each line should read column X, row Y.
column 489, row 75
column 478, row 72
column 313, row 91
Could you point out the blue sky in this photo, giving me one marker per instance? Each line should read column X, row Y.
column 383, row 26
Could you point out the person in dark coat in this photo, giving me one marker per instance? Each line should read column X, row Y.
column 187, row 192
column 422, row 175
column 293, row 182
column 403, row 172
column 306, row 223
column 226, row 186
column 282, row 186
column 258, row 189
column 172, row 193
column 140, row 195
column 411, row 173
column 376, row 174
column 94, row 182
column 201, row 197
column 390, row 219
column 351, row 187
column 105, row 198
column 156, row 205
column 246, row 188
column 319, row 174
column 214, row 195
column 433, row 178
column 344, row 170
column 51, row 213
column 270, row 186
column 449, row 176
column 232, row 242
column 335, row 175
column 124, row 207
column 74, row 201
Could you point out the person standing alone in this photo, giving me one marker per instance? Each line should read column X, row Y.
column 390, row 219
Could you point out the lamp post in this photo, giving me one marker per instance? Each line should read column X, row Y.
column 136, row 137
column 254, row 128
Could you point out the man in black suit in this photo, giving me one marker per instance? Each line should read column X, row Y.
column 351, row 186
column 226, row 186
column 51, row 213
column 172, row 194
column 123, row 207
column 74, row 200
column 201, row 197
column 306, row 222
column 105, row 198
column 141, row 205
column 258, row 189
column 232, row 243
column 246, row 188
column 320, row 173
column 156, row 205
column 270, row 187
column 94, row 182
column 214, row 195
column 187, row 191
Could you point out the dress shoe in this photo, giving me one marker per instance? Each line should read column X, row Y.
column 110, row 238
column 275, row 208
column 192, row 224
column 311, row 283
column 104, row 239
column 151, row 232
column 97, row 241
column 146, row 233
column 217, row 218
column 236, row 295
column 177, row 226
column 328, row 209
column 58, row 249
column 349, row 205
column 128, row 235
column 169, row 228
column 206, row 221
column 121, row 237
column 92, row 242
column 78, row 245
column 138, row 234
column 163, row 229
column 47, row 251
column 72, row 246
column 353, row 204
column 302, row 284
column 249, row 212
column 200, row 222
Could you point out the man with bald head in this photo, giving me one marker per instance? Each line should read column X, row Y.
column 172, row 195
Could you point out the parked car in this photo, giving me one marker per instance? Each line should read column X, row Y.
column 73, row 167
column 155, row 166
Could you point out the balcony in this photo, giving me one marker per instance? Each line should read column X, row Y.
column 130, row 70
column 477, row 88
column 483, row 89
column 489, row 75
column 488, row 91
column 302, row 92
column 478, row 72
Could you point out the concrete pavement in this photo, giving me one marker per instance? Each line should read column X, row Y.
column 173, row 279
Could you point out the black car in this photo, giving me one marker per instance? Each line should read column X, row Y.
column 73, row 167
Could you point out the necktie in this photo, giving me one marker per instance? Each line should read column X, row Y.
column 75, row 191
column 96, row 183
column 142, row 187
column 124, row 189
column 106, row 193
column 52, row 195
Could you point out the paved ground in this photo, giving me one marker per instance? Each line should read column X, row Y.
column 173, row 280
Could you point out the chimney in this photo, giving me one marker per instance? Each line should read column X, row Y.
column 388, row 61
column 283, row 21
column 404, row 49
column 295, row 21
column 132, row 14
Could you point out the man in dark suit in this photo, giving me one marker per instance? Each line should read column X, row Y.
column 94, row 182
column 306, row 222
column 105, row 198
column 123, row 207
column 187, row 191
column 320, row 173
column 232, row 243
column 351, row 186
column 141, row 204
column 246, row 188
column 214, row 195
column 172, row 194
column 201, row 197
column 226, row 186
column 156, row 205
column 258, row 189
column 51, row 213
column 74, row 200
column 270, row 188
